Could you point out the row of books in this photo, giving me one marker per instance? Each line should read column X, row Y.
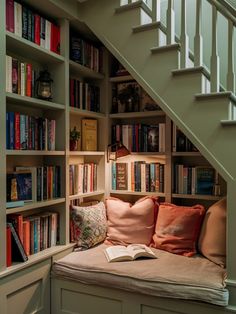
column 138, row 176
column 30, row 234
column 194, row 180
column 20, row 77
column 82, row 178
column 28, row 24
column 140, row 137
column 84, row 95
column 34, row 183
column 85, row 53
column 180, row 142
column 28, row 132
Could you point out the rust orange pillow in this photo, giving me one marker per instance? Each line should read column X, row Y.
column 212, row 240
column 129, row 223
column 177, row 228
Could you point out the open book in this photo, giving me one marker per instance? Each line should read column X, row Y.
column 120, row 253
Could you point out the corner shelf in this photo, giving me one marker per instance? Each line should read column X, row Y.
column 82, row 195
column 28, row 48
column 76, row 68
column 186, row 154
column 142, row 114
column 34, row 205
column 32, row 102
column 121, row 78
column 86, row 153
column 86, row 113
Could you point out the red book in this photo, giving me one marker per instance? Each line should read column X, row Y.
column 26, row 236
column 8, row 238
column 72, row 96
column 10, row 16
column 37, row 29
column 55, row 39
column 17, row 130
column 29, row 79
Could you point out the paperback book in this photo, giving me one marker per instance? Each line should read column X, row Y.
column 119, row 253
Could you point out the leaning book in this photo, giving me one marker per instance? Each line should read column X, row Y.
column 119, row 253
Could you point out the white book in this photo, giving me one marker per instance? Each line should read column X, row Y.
column 76, row 180
column 80, row 178
column 89, row 189
column 119, row 253
column 47, row 35
column 9, row 74
column 53, row 229
column 18, row 18
column 125, row 135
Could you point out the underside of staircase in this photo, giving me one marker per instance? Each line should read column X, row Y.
column 181, row 93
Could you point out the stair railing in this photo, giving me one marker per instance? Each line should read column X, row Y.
column 217, row 7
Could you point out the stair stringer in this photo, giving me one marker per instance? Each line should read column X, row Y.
column 200, row 120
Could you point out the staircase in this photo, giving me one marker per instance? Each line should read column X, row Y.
column 176, row 78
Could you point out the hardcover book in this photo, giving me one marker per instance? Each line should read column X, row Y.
column 89, row 134
column 121, row 176
column 119, row 253
column 18, row 252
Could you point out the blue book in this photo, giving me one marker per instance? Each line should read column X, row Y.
column 15, row 204
column 23, row 144
column 113, row 176
column 7, row 131
column 12, row 130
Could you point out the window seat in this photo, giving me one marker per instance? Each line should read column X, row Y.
column 168, row 276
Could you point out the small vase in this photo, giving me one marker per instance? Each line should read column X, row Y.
column 73, row 145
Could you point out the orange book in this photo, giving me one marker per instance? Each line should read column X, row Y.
column 26, row 236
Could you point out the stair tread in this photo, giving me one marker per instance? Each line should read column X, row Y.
column 165, row 48
column 228, row 94
column 197, row 69
column 134, row 5
column 146, row 27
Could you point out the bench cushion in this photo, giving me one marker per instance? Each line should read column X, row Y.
column 172, row 276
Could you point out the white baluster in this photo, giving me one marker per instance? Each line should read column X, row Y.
column 231, row 73
column 156, row 10
column 198, row 52
column 184, row 41
column 215, row 62
column 170, row 23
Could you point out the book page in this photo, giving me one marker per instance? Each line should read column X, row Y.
column 139, row 250
column 117, row 253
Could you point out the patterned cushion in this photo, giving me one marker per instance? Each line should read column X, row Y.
column 88, row 225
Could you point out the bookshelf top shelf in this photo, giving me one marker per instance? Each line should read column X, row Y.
column 121, row 78
column 82, row 195
column 81, row 70
column 86, row 113
column 136, row 193
column 33, row 51
column 86, row 153
column 143, row 114
column 32, row 102
column 35, row 258
column 13, row 152
column 34, row 205
column 197, row 196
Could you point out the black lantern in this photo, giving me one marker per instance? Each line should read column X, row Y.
column 44, row 85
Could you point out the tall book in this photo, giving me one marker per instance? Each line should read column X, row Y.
column 121, row 176
column 89, row 134
column 18, row 252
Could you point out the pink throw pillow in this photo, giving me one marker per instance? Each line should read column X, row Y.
column 212, row 240
column 177, row 228
column 131, row 223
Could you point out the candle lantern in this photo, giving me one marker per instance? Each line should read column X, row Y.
column 44, row 85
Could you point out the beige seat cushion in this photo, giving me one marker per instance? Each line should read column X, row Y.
column 212, row 240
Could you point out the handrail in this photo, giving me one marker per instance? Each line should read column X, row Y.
column 225, row 9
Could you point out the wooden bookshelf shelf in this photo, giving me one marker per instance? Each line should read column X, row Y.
column 82, row 195
column 186, row 154
column 136, row 193
column 27, row 48
column 32, row 102
column 76, row 68
column 197, row 197
column 86, row 153
column 36, row 258
column 122, row 78
column 35, row 152
column 34, row 205
column 86, row 113
column 143, row 114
